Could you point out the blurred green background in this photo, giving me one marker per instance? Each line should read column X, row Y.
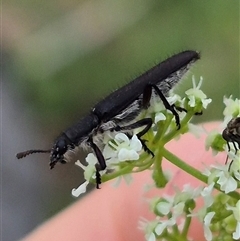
column 60, row 57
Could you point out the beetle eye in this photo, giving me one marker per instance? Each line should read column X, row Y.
column 57, row 154
column 61, row 146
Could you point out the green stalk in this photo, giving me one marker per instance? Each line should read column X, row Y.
column 192, row 171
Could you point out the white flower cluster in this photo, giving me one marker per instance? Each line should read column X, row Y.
column 220, row 213
column 175, row 212
column 227, row 177
column 196, row 95
column 215, row 140
column 118, row 150
column 232, row 109
column 228, row 181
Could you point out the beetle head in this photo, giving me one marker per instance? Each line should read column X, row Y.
column 60, row 147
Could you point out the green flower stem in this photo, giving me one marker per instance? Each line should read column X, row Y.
column 186, row 226
column 182, row 165
column 158, row 175
column 183, row 128
column 143, row 168
column 175, row 229
column 143, row 161
column 172, row 237
column 107, row 177
column 192, row 171
column 127, row 169
column 162, row 128
column 143, row 164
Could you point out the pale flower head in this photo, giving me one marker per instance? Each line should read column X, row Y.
column 236, row 214
column 122, row 149
column 195, row 95
column 89, row 172
column 207, row 221
column 224, row 178
column 118, row 150
column 231, row 110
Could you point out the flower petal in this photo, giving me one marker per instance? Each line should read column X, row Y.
column 76, row 192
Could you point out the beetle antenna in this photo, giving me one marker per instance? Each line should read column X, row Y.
column 29, row 152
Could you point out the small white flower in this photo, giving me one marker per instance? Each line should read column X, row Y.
column 110, row 153
column 235, row 164
column 207, row 221
column 227, row 182
column 157, row 105
column 207, row 172
column 151, row 237
column 232, row 108
column 195, row 94
column 124, row 149
column 126, row 154
column 236, row 210
column 172, row 99
column 178, row 209
column 236, row 234
column 211, row 137
column 148, row 227
column 164, row 224
column 135, row 143
column 187, row 193
column 206, row 193
column 89, row 172
column 236, row 214
column 164, row 207
column 78, row 163
column 159, row 117
column 90, row 169
column 76, row 192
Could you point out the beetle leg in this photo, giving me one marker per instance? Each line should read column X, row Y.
column 101, row 165
column 146, row 101
column 147, row 93
column 167, row 105
column 147, row 97
column 147, row 122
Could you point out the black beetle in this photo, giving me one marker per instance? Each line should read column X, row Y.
column 119, row 110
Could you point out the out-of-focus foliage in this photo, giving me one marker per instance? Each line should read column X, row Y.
column 61, row 57
column 66, row 55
